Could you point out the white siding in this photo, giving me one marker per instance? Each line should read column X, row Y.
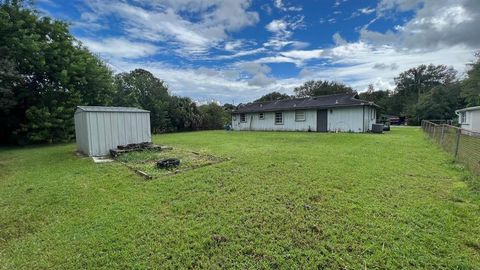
column 475, row 120
column 345, row 119
column 268, row 123
column 349, row 119
column 472, row 121
column 98, row 132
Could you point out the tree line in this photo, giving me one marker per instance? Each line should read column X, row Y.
column 423, row 92
column 45, row 73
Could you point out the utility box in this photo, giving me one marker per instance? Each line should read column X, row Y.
column 99, row 129
column 377, row 128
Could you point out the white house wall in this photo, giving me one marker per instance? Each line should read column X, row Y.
column 475, row 120
column 348, row 119
column 472, row 120
column 351, row 119
column 345, row 119
column 253, row 122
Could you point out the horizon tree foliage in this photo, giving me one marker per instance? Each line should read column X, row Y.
column 471, row 85
column 139, row 88
column 214, row 116
column 273, row 96
column 439, row 103
column 379, row 97
column 45, row 72
column 410, row 85
column 318, row 88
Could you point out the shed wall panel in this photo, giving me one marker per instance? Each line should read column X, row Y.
column 98, row 132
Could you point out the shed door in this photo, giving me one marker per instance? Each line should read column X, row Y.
column 321, row 120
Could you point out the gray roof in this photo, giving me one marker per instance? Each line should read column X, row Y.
column 110, row 109
column 318, row 102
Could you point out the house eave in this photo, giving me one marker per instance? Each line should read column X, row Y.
column 307, row 108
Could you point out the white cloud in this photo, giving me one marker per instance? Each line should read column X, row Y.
column 436, row 24
column 254, row 68
column 337, row 38
column 164, row 21
column 366, row 10
column 303, row 54
column 239, row 54
column 282, row 30
column 279, row 4
column 120, row 47
column 277, row 26
column 261, row 80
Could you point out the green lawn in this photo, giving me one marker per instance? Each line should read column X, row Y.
column 281, row 200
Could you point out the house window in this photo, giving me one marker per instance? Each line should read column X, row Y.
column 234, row 117
column 279, row 118
column 243, row 118
column 299, row 116
column 463, row 117
column 261, row 116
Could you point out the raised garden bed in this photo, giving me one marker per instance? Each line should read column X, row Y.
column 145, row 162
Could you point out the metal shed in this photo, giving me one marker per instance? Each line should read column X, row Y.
column 99, row 129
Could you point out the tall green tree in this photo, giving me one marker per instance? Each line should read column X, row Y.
column 319, row 88
column 273, row 96
column 471, row 85
column 411, row 84
column 185, row 114
column 45, row 74
column 379, row 97
column 140, row 88
column 439, row 103
column 214, row 116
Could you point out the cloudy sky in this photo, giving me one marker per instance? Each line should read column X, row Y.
column 238, row 50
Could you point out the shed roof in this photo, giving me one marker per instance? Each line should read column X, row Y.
column 110, row 109
column 318, row 102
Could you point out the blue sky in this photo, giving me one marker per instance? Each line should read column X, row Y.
column 238, row 50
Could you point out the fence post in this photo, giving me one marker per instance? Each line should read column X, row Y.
column 457, row 142
column 443, row 135
column 433, row 134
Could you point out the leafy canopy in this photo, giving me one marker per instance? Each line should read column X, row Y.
column 272, row 96
column 319, row 88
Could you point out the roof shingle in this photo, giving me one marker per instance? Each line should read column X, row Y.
column 318, row 102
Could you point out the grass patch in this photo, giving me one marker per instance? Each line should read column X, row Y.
column 145, row 161
column 285, row 200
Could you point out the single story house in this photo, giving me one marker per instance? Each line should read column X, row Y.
column 469, row 118
column 334, row 113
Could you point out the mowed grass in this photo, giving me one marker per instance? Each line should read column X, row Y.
column 284, row 200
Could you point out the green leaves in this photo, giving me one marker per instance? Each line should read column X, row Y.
column 44, row 76
column 319, row 88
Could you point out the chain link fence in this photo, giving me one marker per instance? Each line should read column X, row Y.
column 462, row 144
